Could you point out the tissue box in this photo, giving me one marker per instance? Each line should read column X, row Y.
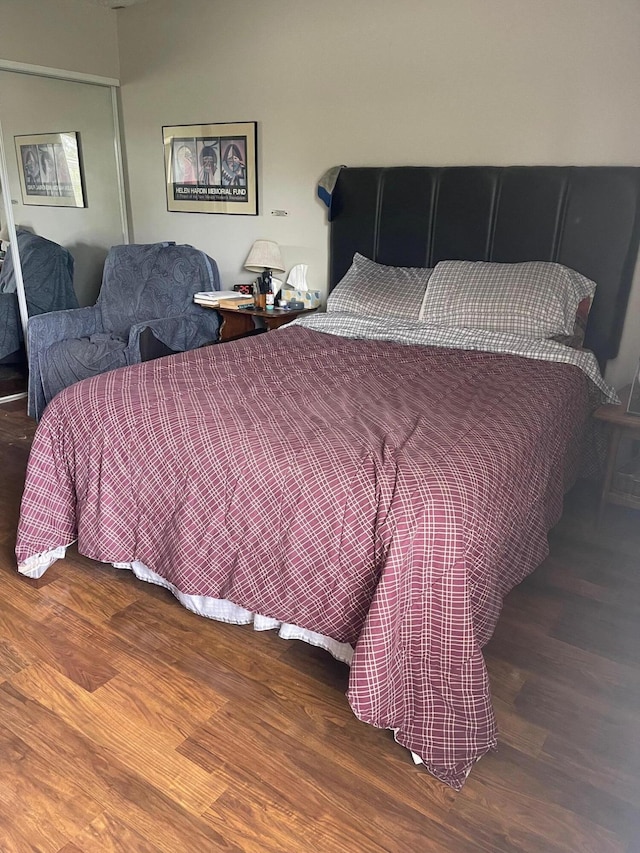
column 310, row 298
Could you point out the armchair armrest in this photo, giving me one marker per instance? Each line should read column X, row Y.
column 43, row 330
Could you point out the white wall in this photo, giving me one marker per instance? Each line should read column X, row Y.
column 371, row 82
column 71, row 34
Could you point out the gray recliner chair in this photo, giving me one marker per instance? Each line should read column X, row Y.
column 146, row 290
column 47, row 271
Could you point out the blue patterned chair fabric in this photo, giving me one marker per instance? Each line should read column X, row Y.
column 47, row 271
column 143, row 287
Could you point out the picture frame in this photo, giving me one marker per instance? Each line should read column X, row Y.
column 633, row 406
column 211, row 168
column 50, row 170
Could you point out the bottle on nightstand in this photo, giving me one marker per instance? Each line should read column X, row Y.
column 269, row 300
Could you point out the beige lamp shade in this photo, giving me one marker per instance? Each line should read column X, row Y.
column 4, row 234
column 264, row 255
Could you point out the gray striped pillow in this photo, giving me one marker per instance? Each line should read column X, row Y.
column 377, row 290
column 535, row 299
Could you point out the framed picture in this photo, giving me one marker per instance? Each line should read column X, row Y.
column 211, row 168
column 634, row 397
column 50, row 170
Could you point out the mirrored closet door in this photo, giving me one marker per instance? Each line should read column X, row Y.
column 63, row 202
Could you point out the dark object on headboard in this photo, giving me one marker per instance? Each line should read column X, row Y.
column 586, row 217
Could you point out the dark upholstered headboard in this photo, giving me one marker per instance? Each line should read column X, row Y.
column 586, row 217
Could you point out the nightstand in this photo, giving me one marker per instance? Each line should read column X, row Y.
column 239, row 322
column 620, row 425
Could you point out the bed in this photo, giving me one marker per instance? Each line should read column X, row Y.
column 373, row 480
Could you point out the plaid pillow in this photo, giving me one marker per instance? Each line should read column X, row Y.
column 377, row 290
column 576, row 340
column 535, row 299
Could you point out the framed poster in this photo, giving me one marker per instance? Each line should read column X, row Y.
column 211, row 168
column 49, row 169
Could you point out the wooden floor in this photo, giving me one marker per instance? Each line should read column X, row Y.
column 129, row 724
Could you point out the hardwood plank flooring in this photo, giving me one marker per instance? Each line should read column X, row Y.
column 129, row 724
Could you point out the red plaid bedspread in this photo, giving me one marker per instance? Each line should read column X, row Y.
column 385, row 495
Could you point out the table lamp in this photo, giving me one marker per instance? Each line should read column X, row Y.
column 264, row 258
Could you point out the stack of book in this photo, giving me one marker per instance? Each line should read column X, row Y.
column 221, row 299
